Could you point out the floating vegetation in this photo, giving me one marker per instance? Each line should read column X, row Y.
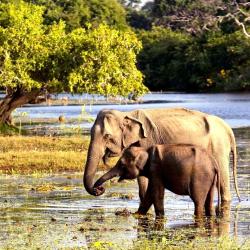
column 124, row 212
column 126, row 196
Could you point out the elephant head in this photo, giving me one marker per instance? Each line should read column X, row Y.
column 111, row 133
column 129, row 166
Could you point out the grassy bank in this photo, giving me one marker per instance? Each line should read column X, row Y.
column 26, row 155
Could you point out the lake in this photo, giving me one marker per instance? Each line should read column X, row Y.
column 233, row 108
column 55, row 211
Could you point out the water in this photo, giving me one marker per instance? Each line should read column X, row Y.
column 233, row 108
column 56, row 212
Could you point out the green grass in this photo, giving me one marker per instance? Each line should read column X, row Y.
column 8, row 130
column 41, row 154
column 27, row 155
column 222, row 243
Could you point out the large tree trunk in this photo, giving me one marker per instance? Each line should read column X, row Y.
column 13, row 101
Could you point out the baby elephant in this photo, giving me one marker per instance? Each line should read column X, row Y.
column 182, row 169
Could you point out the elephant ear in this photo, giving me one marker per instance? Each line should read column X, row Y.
column 132, row 132
column 141, row 159
column 107, row 127
column 110, row 124
column 155, row 154
column 136, row 126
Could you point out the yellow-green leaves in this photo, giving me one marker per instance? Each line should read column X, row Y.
column 98, row 60
column 21, row 44
column 108, row 63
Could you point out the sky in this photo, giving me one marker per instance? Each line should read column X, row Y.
column 144, row 1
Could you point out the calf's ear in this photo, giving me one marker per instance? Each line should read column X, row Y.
column 155, row 154
column 141, row 159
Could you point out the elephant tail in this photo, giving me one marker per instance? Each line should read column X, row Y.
column 218, row 185
column 234, row 153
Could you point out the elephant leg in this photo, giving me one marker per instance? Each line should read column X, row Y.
column 198, row 195
column 209, row 208
column 198, row 209
column 146, row 202
column 224, row 178
column 143, row 185
column 225, row 210
column 158, row 197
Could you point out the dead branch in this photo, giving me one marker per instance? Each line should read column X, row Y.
column 242, row 25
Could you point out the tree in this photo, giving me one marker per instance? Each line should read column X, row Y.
column 215, row 61
column 234, row 16
column 36, row 59
column 77, row 13
column 162, row 59
column 138, row 19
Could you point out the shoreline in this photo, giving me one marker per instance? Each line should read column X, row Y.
column 54, row 128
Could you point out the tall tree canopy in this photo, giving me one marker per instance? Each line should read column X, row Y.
column 192, row 16
column 215, row 61
column 194, row 45
column 77, row 13
column 36, row 58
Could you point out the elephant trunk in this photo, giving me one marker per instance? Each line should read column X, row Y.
column 93, row 159
column 98, row 189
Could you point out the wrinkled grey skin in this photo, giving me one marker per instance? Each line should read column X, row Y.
column 113, row 131
column 182, row 169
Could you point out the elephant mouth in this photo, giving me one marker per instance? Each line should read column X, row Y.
column 109, row 154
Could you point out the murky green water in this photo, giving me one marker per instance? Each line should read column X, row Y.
column 56, row 212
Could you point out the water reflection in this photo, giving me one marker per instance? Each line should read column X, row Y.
column 207, row 227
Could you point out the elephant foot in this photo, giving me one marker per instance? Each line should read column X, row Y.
column 139, row 215
column 159, row 224
column 199, row 222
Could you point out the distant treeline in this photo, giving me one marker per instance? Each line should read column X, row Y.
column 213, row 61
column 196, row 45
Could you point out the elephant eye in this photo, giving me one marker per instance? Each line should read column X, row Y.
column 113, row 141
column 107, row 136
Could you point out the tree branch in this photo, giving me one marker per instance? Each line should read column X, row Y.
column 242, row 25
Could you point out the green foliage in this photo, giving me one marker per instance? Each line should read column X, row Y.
column 161, row 60
column 86, row 46
column 26, row 45
column 38, row 56
column 107, row 63
column 212, row 62
column 138, row 19
column 8, row 130
column 78, row 13
column 218, row 62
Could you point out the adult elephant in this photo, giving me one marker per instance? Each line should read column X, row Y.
column 114, row 130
